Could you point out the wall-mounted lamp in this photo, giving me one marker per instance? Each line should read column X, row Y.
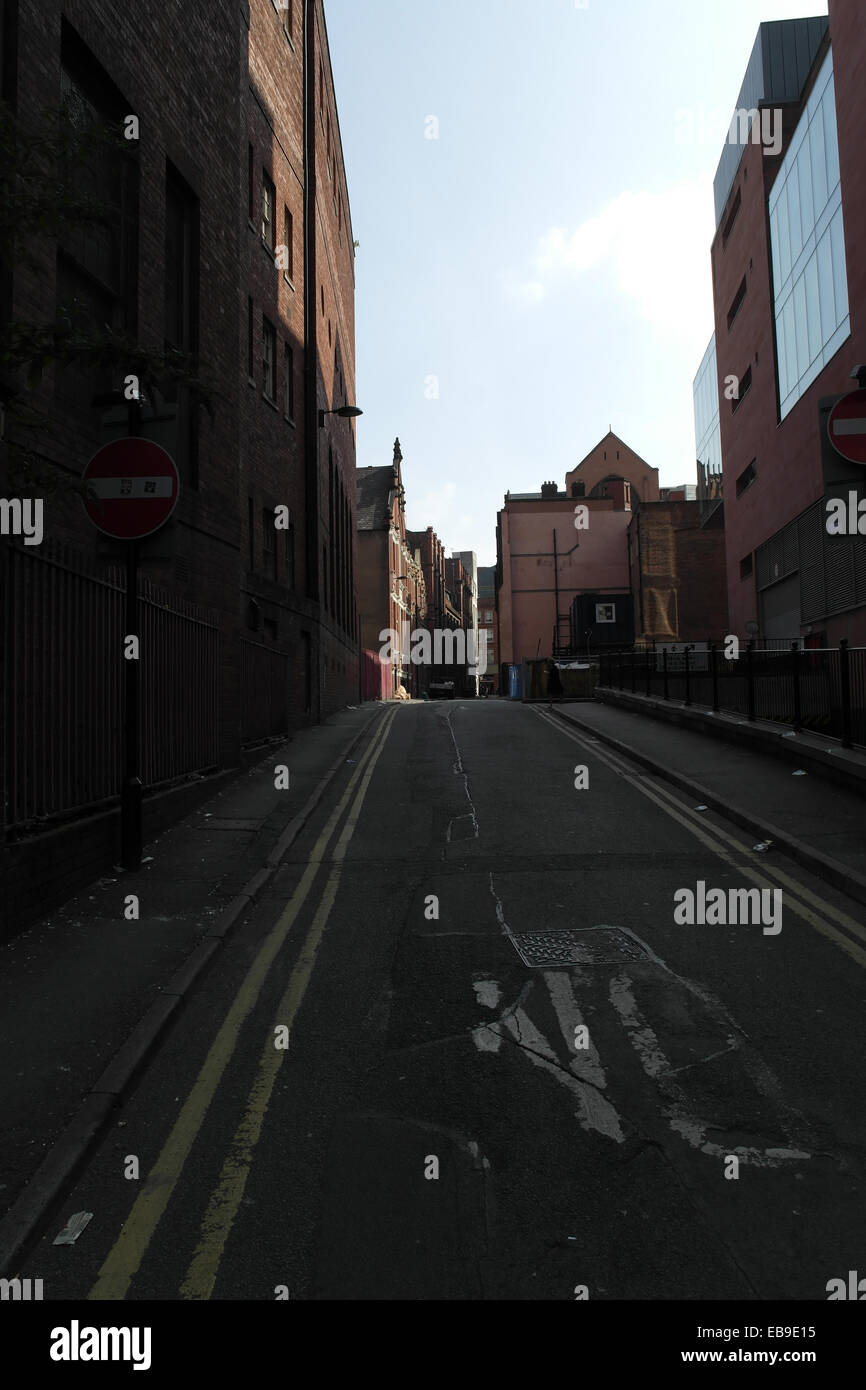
column 345, row 412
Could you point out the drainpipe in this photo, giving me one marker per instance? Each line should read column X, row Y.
column 311, row 393
column 556, row 591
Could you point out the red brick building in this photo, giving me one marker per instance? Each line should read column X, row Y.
column 677, row 574
column 391, row 590
column 299, row 583
column 789, row 279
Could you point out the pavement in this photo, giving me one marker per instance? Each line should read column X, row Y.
column 436, row 1127
column 805, row 814
column 86, row 993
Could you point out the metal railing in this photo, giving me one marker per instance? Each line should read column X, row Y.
column 61, row 692
column 265, row 673
column 821, row 689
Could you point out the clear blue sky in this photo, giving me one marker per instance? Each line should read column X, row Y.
column 547, row 257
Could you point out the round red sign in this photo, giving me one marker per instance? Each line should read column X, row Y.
column 131, row 488
column 846, row 426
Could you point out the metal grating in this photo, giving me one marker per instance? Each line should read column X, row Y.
column 590, row 946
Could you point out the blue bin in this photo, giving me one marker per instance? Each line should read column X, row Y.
column 515, row 683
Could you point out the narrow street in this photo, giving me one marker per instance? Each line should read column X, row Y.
column 383, row 1088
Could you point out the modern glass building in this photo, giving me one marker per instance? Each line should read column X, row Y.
column 810, row 283
column 708, row 438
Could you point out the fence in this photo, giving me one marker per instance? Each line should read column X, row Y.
column 265, row 702
column 62, row 685
column 818, row 688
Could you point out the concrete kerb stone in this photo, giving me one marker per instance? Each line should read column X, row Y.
column 833, row 870
column 29, row 1214
column 58, row 1169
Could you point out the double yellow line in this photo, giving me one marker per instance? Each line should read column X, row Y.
column 810, row 908
column 125, row 1257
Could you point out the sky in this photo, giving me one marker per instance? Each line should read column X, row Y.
column 531, row 185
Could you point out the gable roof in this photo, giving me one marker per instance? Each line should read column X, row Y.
column 610, row 435
column 375, row 497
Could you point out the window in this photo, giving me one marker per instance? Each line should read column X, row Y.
column 251, row 361
column 269, row 543
column 746, row 567
column 605, row 612
column 737, row 301
column 488, row 615
column 287, row 9
column 269, row 359
column 290, row 555
column 289, row 382
column 269, row 228
column 746, row 478
column 732, row 217
column 329, row 145
column 289, row 243
column 810, row 279
column 97, row 260
column 251, row 183
column 743, row 391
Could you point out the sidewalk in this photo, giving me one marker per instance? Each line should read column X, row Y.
column 818, row 823
column 85, row 993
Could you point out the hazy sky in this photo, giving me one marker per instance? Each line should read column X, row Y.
column 546, row 259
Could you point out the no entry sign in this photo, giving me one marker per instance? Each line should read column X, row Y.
column 846, row 426
column 131, row 488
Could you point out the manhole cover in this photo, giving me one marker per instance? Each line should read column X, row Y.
column 591, row 946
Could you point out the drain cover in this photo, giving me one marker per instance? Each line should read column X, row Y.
column 592, row 946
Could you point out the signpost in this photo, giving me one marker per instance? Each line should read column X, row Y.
column 846, row 426
column 131, row 490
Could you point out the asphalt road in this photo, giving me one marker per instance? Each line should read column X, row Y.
column 372, row 1094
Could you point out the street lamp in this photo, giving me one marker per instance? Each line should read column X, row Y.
column 345, row 412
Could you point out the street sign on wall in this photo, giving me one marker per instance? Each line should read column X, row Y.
column 846, row 426
column 131, row 488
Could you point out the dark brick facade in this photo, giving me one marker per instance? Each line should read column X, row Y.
column 220, row 92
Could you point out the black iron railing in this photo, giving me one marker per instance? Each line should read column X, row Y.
column 821, row 689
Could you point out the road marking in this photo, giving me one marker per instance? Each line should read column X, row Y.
column 658, row 1068
column 796, row 895
column 127, row 1253
column 226, row 1197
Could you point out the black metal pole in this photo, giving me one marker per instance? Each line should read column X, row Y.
column 686, row 651
column 715, row 670
column 845, row 681
column 750, row 682
column 665, row 671
column 130, row 800
column 795, row 672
